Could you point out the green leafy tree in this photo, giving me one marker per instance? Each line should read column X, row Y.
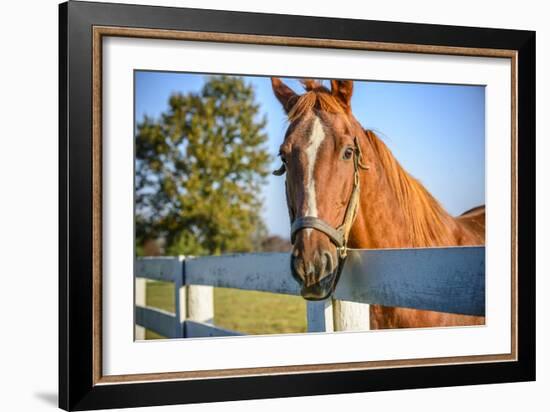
column 199, row 171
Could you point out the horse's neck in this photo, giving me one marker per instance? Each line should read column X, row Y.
column 379, row 223
column 397, row 211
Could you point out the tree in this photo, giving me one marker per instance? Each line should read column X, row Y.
column 199, row 170
column 275, row 243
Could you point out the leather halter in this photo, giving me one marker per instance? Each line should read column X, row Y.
column 339, row 236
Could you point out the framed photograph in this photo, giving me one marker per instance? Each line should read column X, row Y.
column 256, row 206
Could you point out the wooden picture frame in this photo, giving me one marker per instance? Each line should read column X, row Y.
column 82, row 27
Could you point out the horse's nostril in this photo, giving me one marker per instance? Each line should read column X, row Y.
column 328, row 263
column 297, row 266
column 302, row 270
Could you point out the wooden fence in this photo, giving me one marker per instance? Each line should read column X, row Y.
column 440, row 279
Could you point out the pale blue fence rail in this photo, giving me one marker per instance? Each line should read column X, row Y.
column 441, row 279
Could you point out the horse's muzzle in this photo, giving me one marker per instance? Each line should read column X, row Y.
column 320, row 290
column 314, row 290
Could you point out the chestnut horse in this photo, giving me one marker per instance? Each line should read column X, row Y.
column 344, row 189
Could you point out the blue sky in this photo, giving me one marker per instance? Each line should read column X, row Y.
column 436, row 132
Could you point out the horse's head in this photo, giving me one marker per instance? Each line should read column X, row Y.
column 321, row 157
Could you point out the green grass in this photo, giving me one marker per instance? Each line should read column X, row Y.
column 159, row 295
column 254, row 313
column 259, row 312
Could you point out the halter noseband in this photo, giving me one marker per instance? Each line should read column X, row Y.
column 338, row 236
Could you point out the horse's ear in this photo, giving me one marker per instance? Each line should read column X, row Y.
column 284, row 94
column 342, row 90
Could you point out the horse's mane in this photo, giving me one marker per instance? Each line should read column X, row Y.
column 428, row 221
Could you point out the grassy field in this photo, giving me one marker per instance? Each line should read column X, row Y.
column 255, row 313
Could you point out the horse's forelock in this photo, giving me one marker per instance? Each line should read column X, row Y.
column 317, row 99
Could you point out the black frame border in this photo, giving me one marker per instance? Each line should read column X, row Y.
column 76, row 386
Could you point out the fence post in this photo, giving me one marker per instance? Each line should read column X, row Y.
column 351, row 316
column 200, row 303
column 141, row 297
column 180, row 297
column 319, row 316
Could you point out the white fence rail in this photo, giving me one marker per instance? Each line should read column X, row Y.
column 440, row 279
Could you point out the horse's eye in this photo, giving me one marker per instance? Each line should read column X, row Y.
column 348, row 153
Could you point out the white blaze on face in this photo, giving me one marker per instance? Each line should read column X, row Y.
column 315, row 139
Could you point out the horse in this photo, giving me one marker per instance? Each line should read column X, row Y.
column 345, row 189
